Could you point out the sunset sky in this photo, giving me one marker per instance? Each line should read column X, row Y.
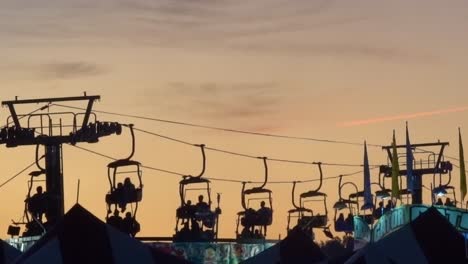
column 332, row 69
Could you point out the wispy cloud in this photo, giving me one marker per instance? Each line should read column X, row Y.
column 402, row 117
column 228, row 101
column 68, row 70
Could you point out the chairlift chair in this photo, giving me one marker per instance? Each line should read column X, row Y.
column 251, row 219
column 444, row 189
column 303, row 215
column 35, row 206
column 206, row 218
column 318, row 220
column 367, row 217
column 352, row 206
column 127, row 193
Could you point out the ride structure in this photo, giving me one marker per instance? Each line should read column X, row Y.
column 432, row 164
column 51, row 131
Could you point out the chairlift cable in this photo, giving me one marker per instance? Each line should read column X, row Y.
column 42, row 108
column 222, row 129
column 220, row 179
column 19, row 173
column 247, row 155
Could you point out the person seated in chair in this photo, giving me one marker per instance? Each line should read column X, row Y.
column 202, row 206
column 439, row 201
column 264, row 214
column 115, row 220
column 448, row 202
column 128, row 190
column 118, row 195
column 37, row 204
column 377, row 213
column 130, row 225
column 340, row 224
column 246, row 232
column 349, row 222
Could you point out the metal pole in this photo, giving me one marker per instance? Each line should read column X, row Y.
column 54, row 182
column 417, row 189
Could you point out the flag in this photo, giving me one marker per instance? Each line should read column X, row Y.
column 395, row 170
column 409, row 162
column 462, row 167
column 368, row 204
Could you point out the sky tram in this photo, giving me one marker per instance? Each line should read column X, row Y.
column 199, row 222
column 255, row 222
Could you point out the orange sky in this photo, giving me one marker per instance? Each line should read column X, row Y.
column 287, row 67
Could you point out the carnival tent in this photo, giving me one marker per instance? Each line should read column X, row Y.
column 297, row 247
column 7, row 253
column 80, row 237
column 430, row 238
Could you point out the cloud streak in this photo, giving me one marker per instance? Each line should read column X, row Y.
column 69, row 70
column 402, row 117
column 230, row 101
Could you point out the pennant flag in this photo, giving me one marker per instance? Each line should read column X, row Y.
column 395, row 170
column 409, row 162
column 462, row 167
column 368, row 204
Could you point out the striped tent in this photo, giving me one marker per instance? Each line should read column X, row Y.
column 82, row 238
column 7, row 253
column 430, row 238
column 296, row 248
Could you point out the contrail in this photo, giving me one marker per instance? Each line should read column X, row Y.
column 401, row 117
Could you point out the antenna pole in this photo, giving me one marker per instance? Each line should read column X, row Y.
column 78, row 191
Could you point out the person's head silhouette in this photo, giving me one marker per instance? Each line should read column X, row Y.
column 262, row 204
column 39, row 189
column 127, row 181
column 200, row 198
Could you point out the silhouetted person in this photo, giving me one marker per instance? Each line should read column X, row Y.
column 119, row 196
column 439, row 201
column 389, row 206
column 128, row 190
column 130, row 225
column 246, row 233
column 115, row 220
column 37, row 204
column 195, row 232
column 340, row 224
column 189, row 209
column 184, row 233
column 349, row 222
column 448, row 202
column 378, row 212
column 257, row 234
column 202, row 206
column 264, row 215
